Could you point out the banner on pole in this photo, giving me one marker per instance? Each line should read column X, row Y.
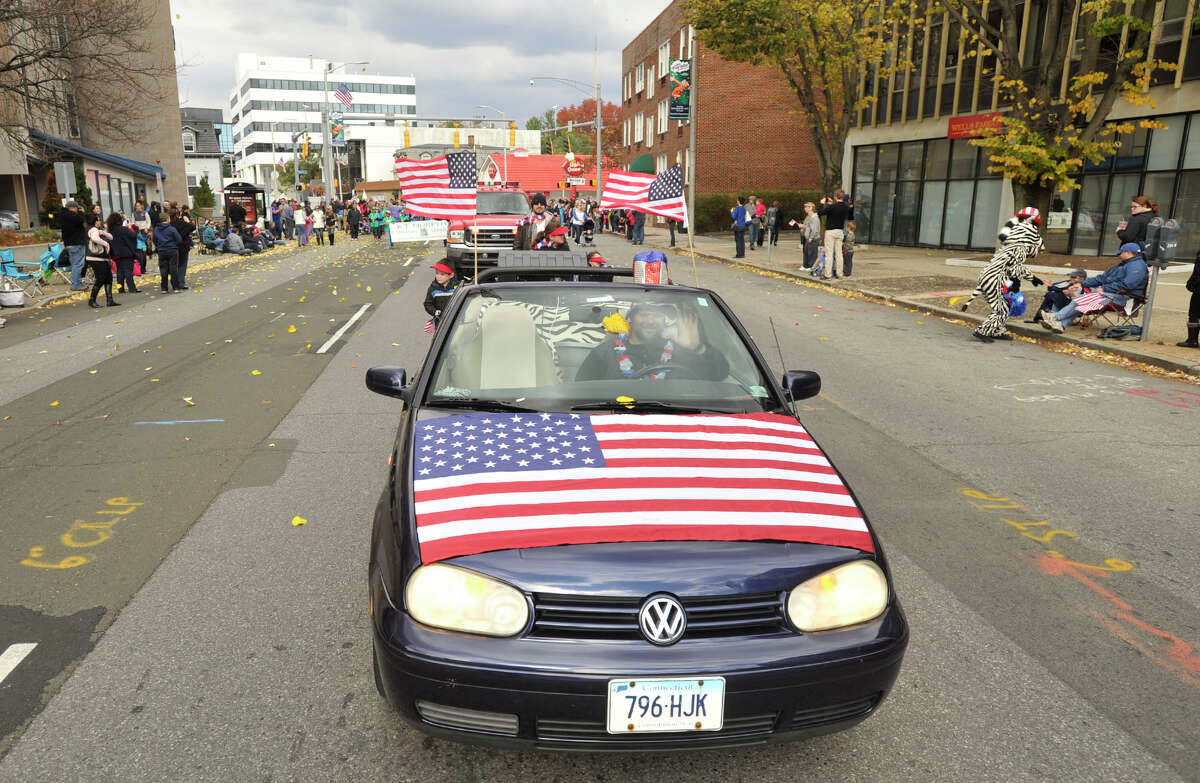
column 681, row 90
column 337, row 129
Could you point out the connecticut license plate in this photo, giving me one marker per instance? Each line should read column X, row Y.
column 666, row 705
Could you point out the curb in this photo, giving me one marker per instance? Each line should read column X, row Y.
column 1019, row 328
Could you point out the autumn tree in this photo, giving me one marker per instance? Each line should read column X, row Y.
column 72, row 63
column 310, row 166
column 824, row 48
column 610, row 120
column 1058, row 95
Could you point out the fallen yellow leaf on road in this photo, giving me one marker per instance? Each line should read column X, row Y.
column 292, row 329
column 92, row 372
column 54, row 404
column 255, row 372
column 188, row 400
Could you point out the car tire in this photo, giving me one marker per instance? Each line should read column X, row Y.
column 378, row 677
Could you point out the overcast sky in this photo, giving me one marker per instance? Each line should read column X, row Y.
column 462, row 52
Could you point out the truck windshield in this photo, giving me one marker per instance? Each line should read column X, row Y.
column 501, row 204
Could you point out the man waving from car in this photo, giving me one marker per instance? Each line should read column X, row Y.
column 642, row 348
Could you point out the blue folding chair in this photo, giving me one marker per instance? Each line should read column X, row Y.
column 28, row 282
column 48, row 264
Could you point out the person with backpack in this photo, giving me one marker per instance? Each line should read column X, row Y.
column 740, row 221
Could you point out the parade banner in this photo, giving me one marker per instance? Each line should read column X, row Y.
column 337, row 129
column 417, row 231
column 681, row 90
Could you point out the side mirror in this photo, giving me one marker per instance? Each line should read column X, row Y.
column 801, row 384
column 388, row 381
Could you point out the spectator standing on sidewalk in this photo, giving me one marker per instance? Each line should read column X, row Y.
column 74, row 239
column 848, row 249
column 123, row 251
column 639, row 228
column 811, row 242
column 1133, row 228
column 836, row 212
column 671, row 222
column 99, row 250
column 288, row 216
column 740, row 221
column 318, row 223
column 301, row 217
column 752, row 221
column 760, row 215
column 1193, row 321
column 183, row 224
column 353, row 218
column 167, row 240
column 330, row 224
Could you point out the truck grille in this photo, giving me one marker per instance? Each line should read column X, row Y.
column 586, row 617
column 489, row 237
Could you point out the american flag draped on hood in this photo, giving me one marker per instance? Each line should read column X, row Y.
column 490, row 481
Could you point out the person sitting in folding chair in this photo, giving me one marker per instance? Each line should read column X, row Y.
column 1059, row 295
column 1117, row 285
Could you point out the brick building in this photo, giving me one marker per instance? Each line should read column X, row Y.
column 750, row 134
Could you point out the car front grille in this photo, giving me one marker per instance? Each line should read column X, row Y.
column 586, row 617
column 735, row 731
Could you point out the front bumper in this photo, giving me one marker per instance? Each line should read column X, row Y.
column 459, row 252
column 551, row 694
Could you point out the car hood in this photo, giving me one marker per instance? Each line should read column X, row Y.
column 684, row 568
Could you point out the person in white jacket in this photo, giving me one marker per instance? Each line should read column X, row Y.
column 318, row 224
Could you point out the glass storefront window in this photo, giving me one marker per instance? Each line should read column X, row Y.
column 1132, row 153
column 932, row 202
column 863, row 209
column 1187, row 212
column 937, row 158
column 881, row 221
column 1090, row 215
column 1124, row 188
column 888, row 158
column 864, row 164
column 908, row 203
column 962, row 159
column 1191, row 153
column 987, row 213
column 910, row 159
column 1159, row 188
column 1164, row 144
column 958, row 213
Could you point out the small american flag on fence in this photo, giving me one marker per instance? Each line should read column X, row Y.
column 490, row 481
column 342, row 93
column 1092, row 302
column 441, row 188
column 661, row 195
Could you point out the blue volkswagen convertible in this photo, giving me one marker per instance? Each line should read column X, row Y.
column 604, row 530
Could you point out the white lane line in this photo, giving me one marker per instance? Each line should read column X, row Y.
column 13, row 656
column 276, row 318
column 338, row 334
column 409, row 261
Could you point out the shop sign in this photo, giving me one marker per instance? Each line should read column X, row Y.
column 574, row 168
column 973, row 125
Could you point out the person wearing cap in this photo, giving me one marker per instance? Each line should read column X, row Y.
column 74, row 239
column 445, row 282
column 1117, row 285
column 1059, row 294
column 643, row 341
column 594, row 259
column 539, row 217
column 555, row 240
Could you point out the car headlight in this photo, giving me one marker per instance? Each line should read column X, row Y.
column 460, row 600
column 456, row 235
column 847, row 595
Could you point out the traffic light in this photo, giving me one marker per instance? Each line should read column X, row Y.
column 304, row 149
column 512, row 134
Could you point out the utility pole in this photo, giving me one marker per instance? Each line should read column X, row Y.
column 596, row 80
column 326, row 137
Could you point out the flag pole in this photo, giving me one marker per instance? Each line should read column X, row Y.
column 691, row 153
column 687, row 223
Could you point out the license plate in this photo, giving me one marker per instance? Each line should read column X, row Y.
column 694, row 704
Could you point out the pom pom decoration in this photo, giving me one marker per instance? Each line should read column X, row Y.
column 616, row 323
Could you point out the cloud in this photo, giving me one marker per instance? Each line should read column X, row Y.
column 462, row 52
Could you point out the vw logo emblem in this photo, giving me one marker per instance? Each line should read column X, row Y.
column 662, row 620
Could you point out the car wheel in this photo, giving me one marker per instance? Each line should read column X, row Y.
column 375, row 667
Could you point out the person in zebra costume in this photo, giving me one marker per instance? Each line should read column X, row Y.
column 1019, row 242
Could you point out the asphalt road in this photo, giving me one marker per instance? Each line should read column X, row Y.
column 235, row 645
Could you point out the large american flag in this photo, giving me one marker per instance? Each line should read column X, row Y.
column 441, row 188
column 661, row 195
column 489, row 481
column 342, row 93
column 1092, row 302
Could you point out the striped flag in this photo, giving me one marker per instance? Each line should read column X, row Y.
column 1093, row 302
column 442, row 188
column 430, row 326
column 342, row 93
column 490, row 481
column 661, row 195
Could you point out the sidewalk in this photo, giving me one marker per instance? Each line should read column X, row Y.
column 927, row 279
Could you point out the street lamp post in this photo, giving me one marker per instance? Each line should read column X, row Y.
column 595, row 92
column 326, row 139
column 503, row 117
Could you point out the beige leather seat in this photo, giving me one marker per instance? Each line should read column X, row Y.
column 505, row 353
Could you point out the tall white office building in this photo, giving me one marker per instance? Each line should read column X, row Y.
column 273, row 97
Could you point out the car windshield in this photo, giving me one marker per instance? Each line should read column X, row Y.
column 561, row 348
column 501, row 203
